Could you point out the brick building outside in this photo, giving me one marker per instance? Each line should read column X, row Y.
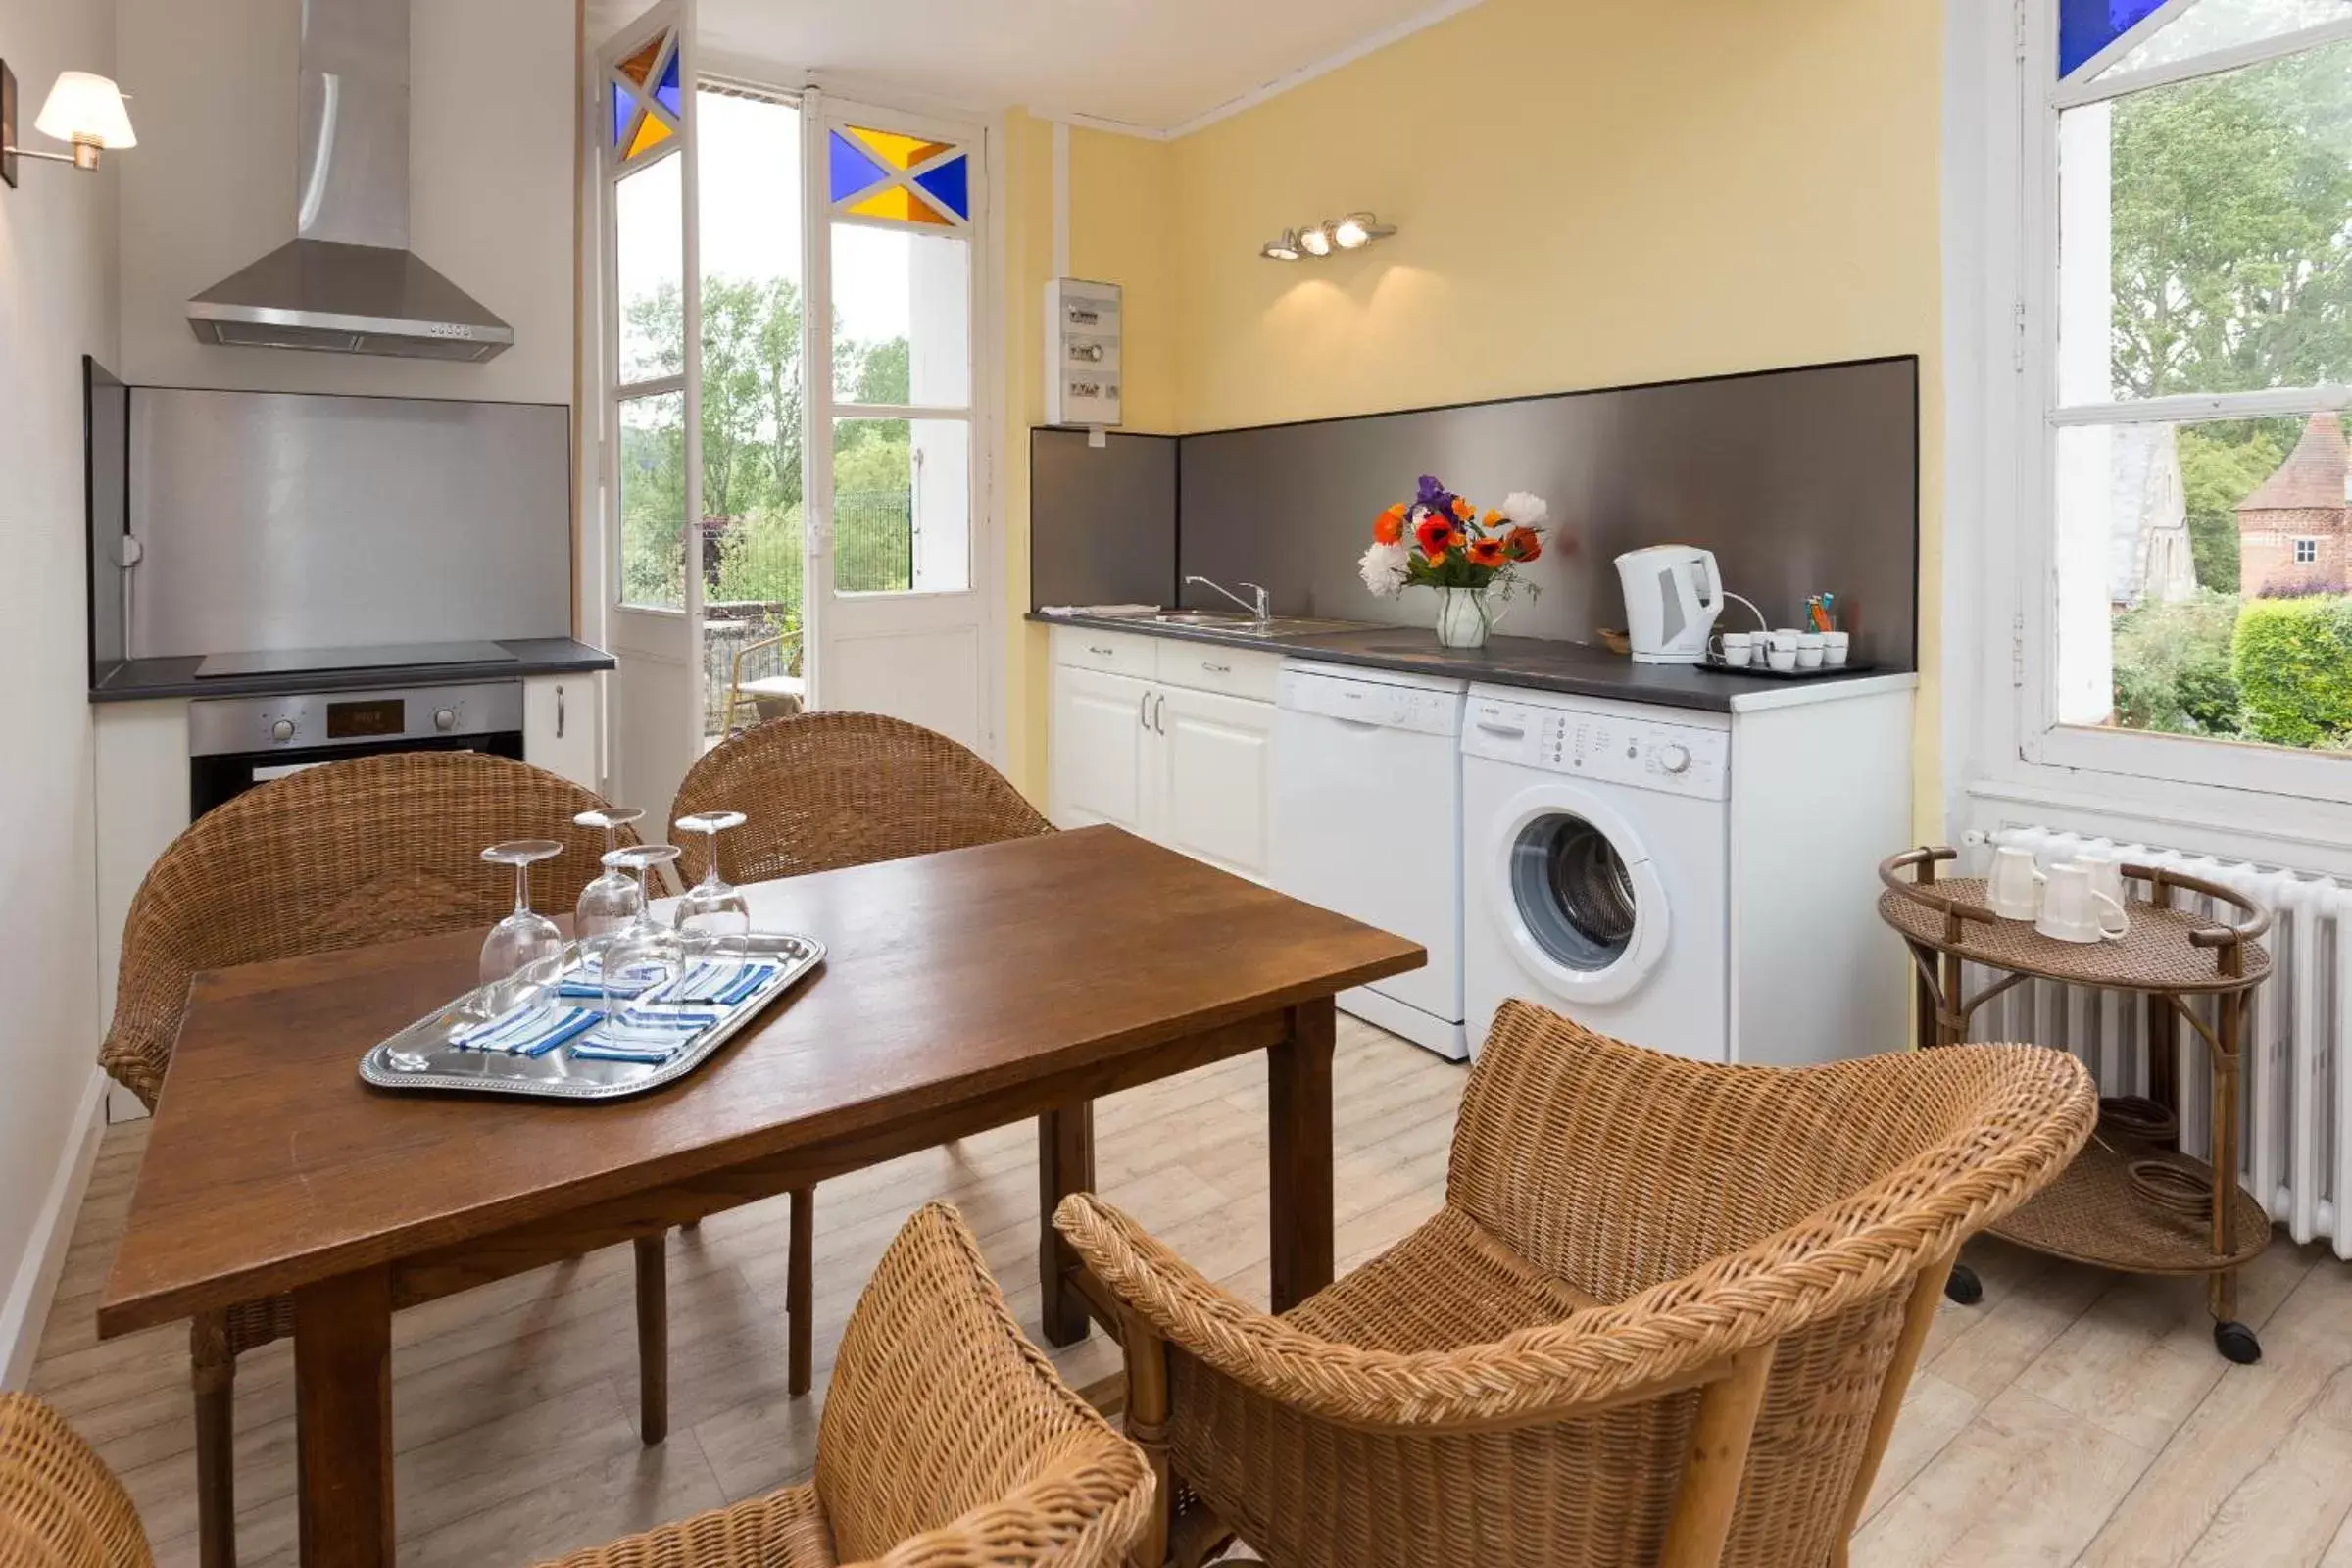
column 2292, row 531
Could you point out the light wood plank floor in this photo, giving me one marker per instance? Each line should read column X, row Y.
column 2073, row 1418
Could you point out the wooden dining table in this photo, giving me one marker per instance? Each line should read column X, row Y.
column 960, row 992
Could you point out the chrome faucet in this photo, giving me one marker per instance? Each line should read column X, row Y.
column 1260, row 611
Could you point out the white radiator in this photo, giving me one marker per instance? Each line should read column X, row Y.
column 2298, row 1092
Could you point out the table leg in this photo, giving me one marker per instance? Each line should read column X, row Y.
column 1299, row 1112
column 1925, row 1010
column 343, row 1419
column 1065, row 1164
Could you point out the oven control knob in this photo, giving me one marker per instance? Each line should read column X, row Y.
column 282, row 730
column 445, row 718
column 1674, row 757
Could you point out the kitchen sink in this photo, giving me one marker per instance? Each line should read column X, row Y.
column 1233, row 621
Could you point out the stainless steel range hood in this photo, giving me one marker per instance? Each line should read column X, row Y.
column 348, row 283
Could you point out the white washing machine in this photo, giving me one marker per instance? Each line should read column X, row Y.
column 1367, row 798
column 1596, row 866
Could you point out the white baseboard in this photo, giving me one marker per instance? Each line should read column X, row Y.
column 25, row 1313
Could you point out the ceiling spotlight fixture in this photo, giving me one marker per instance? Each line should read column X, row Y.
column 1327, row 238
column 1284, row 249
column 1316, row 239
column 1358, row 229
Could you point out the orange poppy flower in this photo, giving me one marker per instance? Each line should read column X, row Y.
column 1463, row 509
column 1485, row 553
column 1389, row 526
column 1524, row 544
column 1434, row 535
column 1489, row 520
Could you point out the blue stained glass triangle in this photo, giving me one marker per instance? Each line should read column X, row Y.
column 2086, row 26
column 668, row 91
column 624, row 112
column 849, row 169
column 951, row 183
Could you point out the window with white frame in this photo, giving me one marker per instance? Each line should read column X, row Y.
column 2192, row 162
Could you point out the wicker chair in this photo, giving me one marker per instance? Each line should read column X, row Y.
column 367, row 851
column 825, row 791
column 946, row 1442
column 1666, row 1316
column 60, row 1505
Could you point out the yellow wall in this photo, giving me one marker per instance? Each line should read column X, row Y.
column 1589, row 194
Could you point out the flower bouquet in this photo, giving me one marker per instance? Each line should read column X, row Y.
column 1439, row 540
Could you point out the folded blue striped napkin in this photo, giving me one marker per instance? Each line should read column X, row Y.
column 588, row 980
column 724, row 981
column 532, row 1030
column 643, row 1034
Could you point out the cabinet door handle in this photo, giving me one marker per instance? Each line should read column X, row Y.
column 1098, row 651
column 1143, row 709
column 559, row 712
column 1216, row 669
column 1159, row 716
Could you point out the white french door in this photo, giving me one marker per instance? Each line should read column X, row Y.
column 897, row 609
column 653, row 458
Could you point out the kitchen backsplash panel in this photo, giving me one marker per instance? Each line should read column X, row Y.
column 1101, row 519
column 282, row 521
column 1800, row 480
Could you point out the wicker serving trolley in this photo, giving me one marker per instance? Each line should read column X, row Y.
column 2130, row 1200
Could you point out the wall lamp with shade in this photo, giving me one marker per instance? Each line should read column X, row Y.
column 81, row 109
column 1332, row 235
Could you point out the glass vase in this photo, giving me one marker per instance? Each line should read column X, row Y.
column 1464, row 618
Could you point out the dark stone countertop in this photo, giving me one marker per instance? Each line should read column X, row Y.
column 134, row 680
column 1535, row 663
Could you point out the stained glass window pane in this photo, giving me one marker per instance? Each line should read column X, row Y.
column 641, row 64
column 624, row 112
column 951, row 186
column 850, row 169
column 2211, row 24
column 899, row 152
column 650, row 136
column 668, row 92
column 901, row 205
column 2086, row 26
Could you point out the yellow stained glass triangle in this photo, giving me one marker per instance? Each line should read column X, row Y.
column 651, row 134
column 899, row 203
column 899, row 152
column 640, row 65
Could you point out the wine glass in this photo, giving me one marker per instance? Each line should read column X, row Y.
column 610, row 901
column 524, row 938
column 714, row 917
column 646, row 953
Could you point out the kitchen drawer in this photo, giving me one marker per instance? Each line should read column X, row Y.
column 1119, row 652
column 1213, row 667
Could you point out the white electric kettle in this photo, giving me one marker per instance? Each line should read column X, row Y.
column 1672, row 594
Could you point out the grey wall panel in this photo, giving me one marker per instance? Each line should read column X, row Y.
column 1799, row 480
column 291, row 521
column 1101, row 519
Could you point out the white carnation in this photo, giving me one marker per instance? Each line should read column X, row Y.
column 1524, row 510
column 1384, row 569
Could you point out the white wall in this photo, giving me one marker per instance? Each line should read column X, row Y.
column 490, row 172
column 57, row 303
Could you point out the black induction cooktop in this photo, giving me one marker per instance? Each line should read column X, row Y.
column 298, row 661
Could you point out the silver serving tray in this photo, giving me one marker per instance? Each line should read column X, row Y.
column 421, row 1057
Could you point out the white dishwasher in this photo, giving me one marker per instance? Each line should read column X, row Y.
column 1368, row 822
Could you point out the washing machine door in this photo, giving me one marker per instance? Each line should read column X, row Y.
column 1574, row 889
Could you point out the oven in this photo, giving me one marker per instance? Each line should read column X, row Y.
column 237, row 741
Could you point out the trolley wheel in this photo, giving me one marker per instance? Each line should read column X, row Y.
column 2238, row 1342
column 1964, row 1288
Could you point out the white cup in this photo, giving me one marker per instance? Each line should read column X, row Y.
column 1787, row 637
column 2105, row 864
column 2074, row 911
column 1834, row 648
column 1780, row 657
column 1735, row 648
column 2014, row 890
column 1808, row 650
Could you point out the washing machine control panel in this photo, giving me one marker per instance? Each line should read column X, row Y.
column 1608, row 748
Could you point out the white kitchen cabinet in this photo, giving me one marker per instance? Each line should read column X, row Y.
column 1100, row 733
column 1180, row 759
column 560, row 727
column 1213, row 778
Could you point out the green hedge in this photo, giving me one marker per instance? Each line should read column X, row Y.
column 2294, row 663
